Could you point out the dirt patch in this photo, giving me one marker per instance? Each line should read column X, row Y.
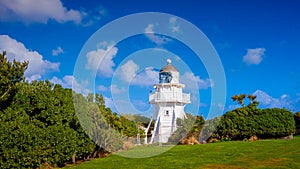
column 265, row 163
column 222, row 166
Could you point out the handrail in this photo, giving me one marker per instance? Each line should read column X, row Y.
column 169, row 96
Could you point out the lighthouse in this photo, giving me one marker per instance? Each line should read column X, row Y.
column 169, row 101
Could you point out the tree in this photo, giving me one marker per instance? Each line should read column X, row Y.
column 297, row 121
column 11, row 73
column 39, row 122
column 100, row 99
column 90, row 97
column 239, row 98
column 253, row 102
column 234, row 98
column 251, row 98
column 40, row 126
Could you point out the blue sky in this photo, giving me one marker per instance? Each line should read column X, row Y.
column 257, row 43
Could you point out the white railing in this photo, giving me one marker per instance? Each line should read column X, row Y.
column 169, row 97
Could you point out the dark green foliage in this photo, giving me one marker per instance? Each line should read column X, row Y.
column 250, row 121
column 191, row 126
column 242, row 123
column 209, row 129
column 280, row 123
column 297, row 121
column 137, row 118
column 39, row 124
column 10, row 75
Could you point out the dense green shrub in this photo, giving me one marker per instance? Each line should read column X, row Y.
column 297, row 121
column 250, row 121
column 39, row 124
column 277, row 123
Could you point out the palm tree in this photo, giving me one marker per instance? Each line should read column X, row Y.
column 251, row 98
column 241, row 98
column 234, row 98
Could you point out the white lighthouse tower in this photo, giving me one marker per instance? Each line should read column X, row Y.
column 169, row 102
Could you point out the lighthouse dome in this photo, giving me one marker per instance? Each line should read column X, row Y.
column 169, row 67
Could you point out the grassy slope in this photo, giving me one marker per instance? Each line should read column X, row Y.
column 259, row 154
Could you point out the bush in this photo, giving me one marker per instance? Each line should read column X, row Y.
column 188, row 131
column 275, row 123
column 297, row 121
column 39, row 124
column 40, row 127
column 250, row 121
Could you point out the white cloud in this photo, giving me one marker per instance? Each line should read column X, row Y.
column 102, row 59
column 114, row 89
column 202, row 104
column 140, row 105
column 254, row 56
column 102, row 88
column 69, row 81
column 157, row 39
column 56, row 52
column 268, row 101
column 190, row 80
column 148, row 77
column 128, row 71
column 117, row 90
column 37, row 65
column 173, row 24
column 232, row 107
column 194, row 96
column 149, row 29
column 173, row 20
column 221, row 106
column 284, row 96
column 41, row 11
column 95, row 16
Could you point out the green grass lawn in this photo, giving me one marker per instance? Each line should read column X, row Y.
column 259, row 154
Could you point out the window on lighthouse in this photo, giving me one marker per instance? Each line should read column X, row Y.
column 165, row 77
column 167, row 112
